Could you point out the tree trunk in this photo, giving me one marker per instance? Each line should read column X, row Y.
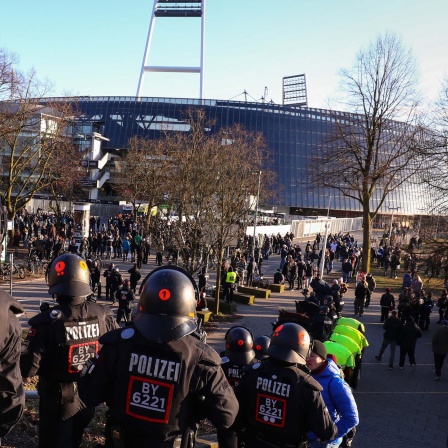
column 366, row 233
column 147, row 223
column 218, row 279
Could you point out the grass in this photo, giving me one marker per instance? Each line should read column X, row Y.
column 436, row 285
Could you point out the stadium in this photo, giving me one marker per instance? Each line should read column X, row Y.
column 294, row 132
column 293, row 135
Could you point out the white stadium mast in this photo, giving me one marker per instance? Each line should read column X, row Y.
column 182, row 9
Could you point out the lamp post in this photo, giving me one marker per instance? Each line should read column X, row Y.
column 324, row 247
column 256, row 213
column 392, row 220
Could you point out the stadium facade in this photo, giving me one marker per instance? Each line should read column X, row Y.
column 293, row 135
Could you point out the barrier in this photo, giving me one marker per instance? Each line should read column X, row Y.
column 204, row 315
column 257, row 292
column 247, row 299
column 275, row 287
column 302, row 228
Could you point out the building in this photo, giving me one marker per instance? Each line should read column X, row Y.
column 292, row 133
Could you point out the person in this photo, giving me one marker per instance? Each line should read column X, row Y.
column 126, row 245
column 291, row 272
column 95, row 277
column 354, row 323
column 417, row 285
column 361, row 294
column 353, row 333
column 59, row 343
column 279, row 278
column 392, row 329
column 125, row 297
column 134, row 277
column 239, row 353
column 440, row 348
column 146, row 249
column 73, row 246
column 301, row 268
column 336, row 393
column 321, row 325
column 159, row 254
column 12, row 395
column 335, row 289
column 347, row 268
column 202, row 279
column 394, row 263
column 387, row 303
column 336, row 292
column 425, row 309
column 202, row 302
column 279, row 401
column 116, row 282
column 407, row 280
column 251, row 270
column 344, row 356
column 139, row 254
column 309, row 269
column 442, row 304
column 348, row 343
column 109, row 280
column 371, row 284
column 229, row 284
column 241, row 268
column 261, row 345
column 320, row 287
column 157, row 378
column 410, row 333
column 283, row 255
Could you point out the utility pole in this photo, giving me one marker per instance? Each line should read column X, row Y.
column 256, row 213
column 392, row 221
column 324, row 247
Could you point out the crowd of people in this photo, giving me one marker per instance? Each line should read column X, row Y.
column 159, row 378
column 119, row 238
column 407, row 317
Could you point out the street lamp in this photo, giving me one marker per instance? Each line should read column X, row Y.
column 391, row 221
column 256, row 213
column 324, row 247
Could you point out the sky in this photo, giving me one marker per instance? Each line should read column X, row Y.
column 96, row 47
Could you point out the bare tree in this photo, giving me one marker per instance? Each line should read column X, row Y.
column 30, row 134
column 7, row 62
column 143, row 174
column 237, row 174
column 27, row 151
column 433, row 229
column 208, row 175
column 216, row 174
column 436, row 152
column 191, row 187
column 64, row 176
column 373, row 148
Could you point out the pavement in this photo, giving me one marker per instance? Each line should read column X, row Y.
column 397, row 408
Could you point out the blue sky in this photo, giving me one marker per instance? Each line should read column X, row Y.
column 96, row 47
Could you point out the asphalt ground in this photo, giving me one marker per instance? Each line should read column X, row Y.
column 397, row 408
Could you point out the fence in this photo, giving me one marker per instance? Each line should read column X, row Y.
column 105, row 211
column 268, row 230
column 311, row 227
